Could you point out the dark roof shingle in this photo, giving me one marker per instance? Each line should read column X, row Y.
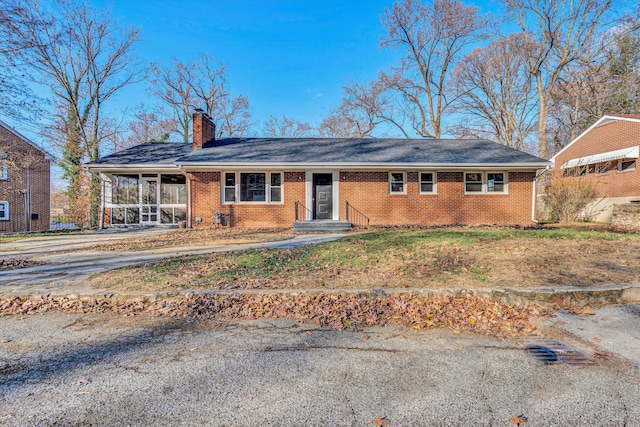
column 324, row 151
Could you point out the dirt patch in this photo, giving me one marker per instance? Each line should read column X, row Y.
column 15, row 263
column 454, row 258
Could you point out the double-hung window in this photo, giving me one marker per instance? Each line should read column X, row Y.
column 495, row 182
column 4, row 211
column 397, row 183
column 4, row 171
column 248, row 187
column 485, row 182
column 230, row 187
column 427, row 182
column 473, row 182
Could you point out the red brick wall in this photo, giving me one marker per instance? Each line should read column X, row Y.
column 205, row 187
column 20, row 154
column 369, row 193
column 607, row 137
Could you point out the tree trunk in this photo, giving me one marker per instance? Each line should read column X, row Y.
column 542, row 119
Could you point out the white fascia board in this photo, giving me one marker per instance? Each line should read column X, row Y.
column 132, row 168
column 602, row 120
column 193, row 166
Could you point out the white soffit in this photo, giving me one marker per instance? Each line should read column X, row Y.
column 625, row 153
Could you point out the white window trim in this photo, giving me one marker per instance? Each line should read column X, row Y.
column 627, row 160
column 484, row 183
column 404, row 183
column 4, row 172
column 267, row 188
column 434, row 182
column 6, row 209
column 224, row 186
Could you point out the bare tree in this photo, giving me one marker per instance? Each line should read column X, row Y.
column 84, row 58
column 200, row 84
column 147, row 125
column 557, row 33
column 494, row 93
column 365, row 108
column 605, row 81
column 284, row 127
column 433, row 37
column 170, row 85
column 17, row 100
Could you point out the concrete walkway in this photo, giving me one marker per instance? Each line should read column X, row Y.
column 67, row 273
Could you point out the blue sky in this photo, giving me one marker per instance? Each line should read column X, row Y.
column 286, row 56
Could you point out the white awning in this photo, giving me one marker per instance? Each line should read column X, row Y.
column 625, row 153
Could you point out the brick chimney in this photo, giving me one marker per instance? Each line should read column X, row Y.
column 204, row 130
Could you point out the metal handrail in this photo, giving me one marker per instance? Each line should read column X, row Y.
column 357, row 217
column 308, row 213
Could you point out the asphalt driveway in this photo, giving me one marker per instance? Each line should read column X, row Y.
column 67, row 272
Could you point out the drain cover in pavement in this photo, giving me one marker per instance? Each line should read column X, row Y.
column 556, row 352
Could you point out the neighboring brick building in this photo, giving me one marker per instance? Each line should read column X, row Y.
column 267, row 182
column 607, row 153
column 24, row 183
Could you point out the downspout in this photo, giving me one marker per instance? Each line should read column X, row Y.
column 29, row 205
column 533, row 200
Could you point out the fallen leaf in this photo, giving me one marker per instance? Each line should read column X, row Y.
column 596, row 339
column 380, row 421
column 518, row 420
column 584, row 311
column 559, row 322
column 605, row 318
column 461, row 346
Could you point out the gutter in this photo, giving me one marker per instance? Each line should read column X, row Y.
column 193, row 166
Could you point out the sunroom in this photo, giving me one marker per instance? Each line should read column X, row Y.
column 145, row 198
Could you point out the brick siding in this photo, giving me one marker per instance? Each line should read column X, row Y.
column 368, row 192
column 611, row 136
column 205, row 187
column 13, row 189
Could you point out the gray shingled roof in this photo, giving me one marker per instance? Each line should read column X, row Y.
column 149, row 154
column 326, row 152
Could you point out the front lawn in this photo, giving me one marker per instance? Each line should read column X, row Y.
column 452, row 257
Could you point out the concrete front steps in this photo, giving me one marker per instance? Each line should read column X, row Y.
column 321, row 226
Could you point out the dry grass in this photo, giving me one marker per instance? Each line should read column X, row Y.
column 196, row 237
column 453, row 257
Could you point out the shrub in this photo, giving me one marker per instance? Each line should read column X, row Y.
column 567, row 198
